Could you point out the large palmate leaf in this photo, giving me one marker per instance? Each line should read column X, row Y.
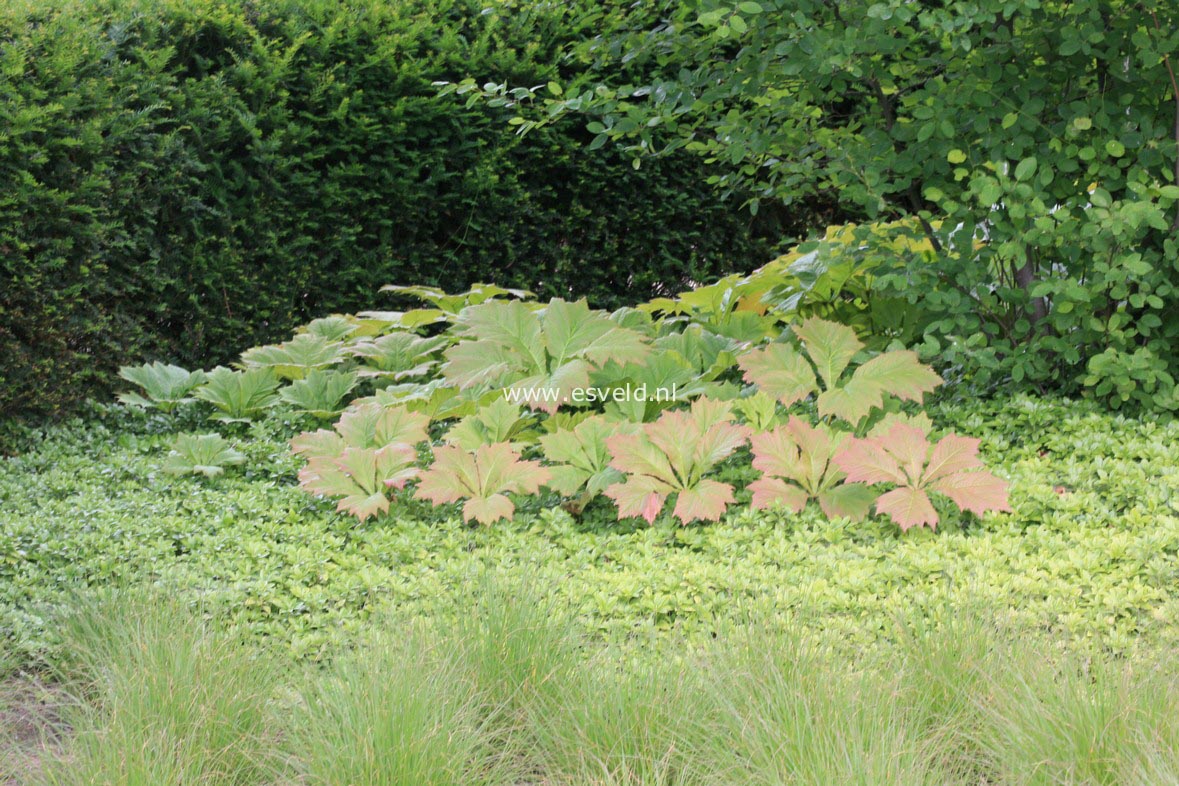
column 580, row 459
column 724, row 308
column 542, row 354
column 370, row 449
column 672, row 455
column 640, row 391
column 453, row 304
column 295, row 358
column 333, row 328
column 434, row 399
column 483, row 477
column 164, row 386
column 796, row 464
column 499, row 421
column 364, row 426
column 240, row 396
column 361, row 477
column 201, row 454
column 903, row 457
column 398, row 356
column 828, row 349
column 320, row 394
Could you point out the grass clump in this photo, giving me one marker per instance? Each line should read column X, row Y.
column 401, row 712
column 161, row 695
column 519, row 695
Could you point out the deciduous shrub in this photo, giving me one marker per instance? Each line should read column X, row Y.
column 1032, row 144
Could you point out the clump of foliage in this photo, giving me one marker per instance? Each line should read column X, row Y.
column 672, row 456
column 201, row 454
column 164, row 386
column 483, row 477
column 829, row 347
column 321, row 394
column 903, row 456
column 506, row 384
column 239, row 396
column 541, row 354
column 796, row 462
column 832, row 461
column 370, row 450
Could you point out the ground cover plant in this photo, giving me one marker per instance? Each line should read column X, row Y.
column 1088, row 552
column 509, row 368
column 684, row 611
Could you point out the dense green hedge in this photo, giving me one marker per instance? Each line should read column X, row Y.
column 182, row 179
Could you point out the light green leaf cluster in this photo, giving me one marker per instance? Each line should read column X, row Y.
column 201, row 454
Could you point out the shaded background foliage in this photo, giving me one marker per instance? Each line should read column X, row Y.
column 1046, row 131
column 185, row 179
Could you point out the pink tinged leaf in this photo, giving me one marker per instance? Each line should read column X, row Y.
column 489, row 509
column 908, row 507
column 771, row 492
column 866, row 461
column 363, row 506
column 920, row 420
column 706, row 500
column 673, row 435
column 951, row 455
column 651, row 507
column 501, row 469
column 775, row 453
column 360, row 464
column 635, row 455
column 719, row 442
column 780, row 372
column 637, row 497
column 399, row 479
column 816, row 447
column 451, row 477
column 847, row 500
column 830, row 345
column 909, row 445
column 977, row 491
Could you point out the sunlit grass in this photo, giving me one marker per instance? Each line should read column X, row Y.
column 513, row 694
